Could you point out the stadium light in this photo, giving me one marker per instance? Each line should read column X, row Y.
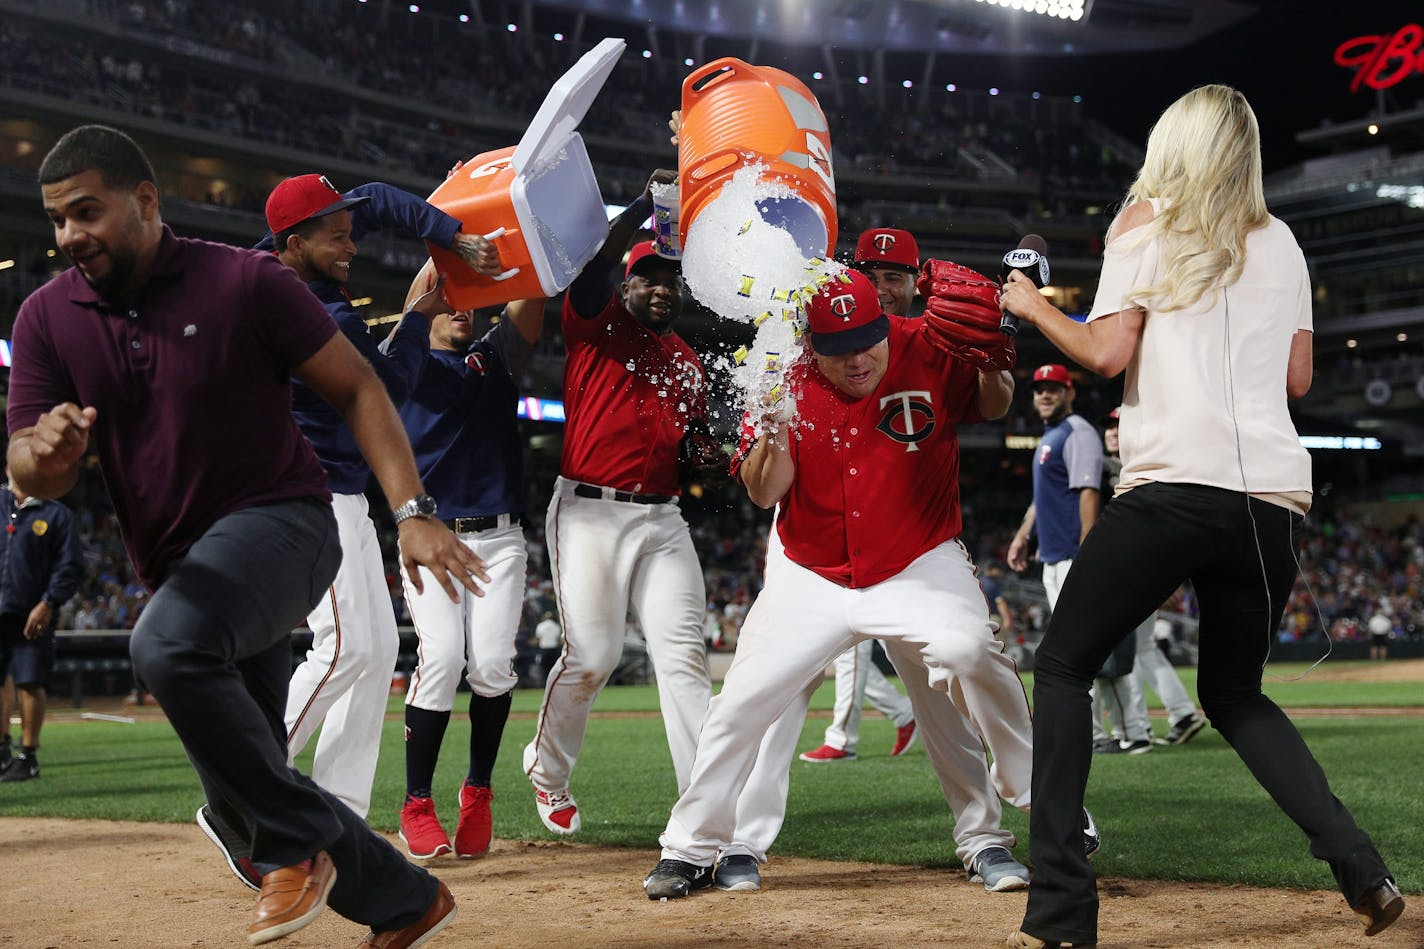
column 1060, row 9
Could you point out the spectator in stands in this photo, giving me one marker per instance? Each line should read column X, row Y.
column 41, row 570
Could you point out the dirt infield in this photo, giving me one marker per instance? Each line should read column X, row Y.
column 106, row 883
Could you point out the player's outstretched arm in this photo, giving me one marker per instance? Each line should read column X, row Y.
column 339, row 375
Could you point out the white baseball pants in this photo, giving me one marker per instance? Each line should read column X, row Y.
column 858, row 680
column 345, row 679
column 1157, row 673
column 475, row 637
column 609, row 557
column 931, row 615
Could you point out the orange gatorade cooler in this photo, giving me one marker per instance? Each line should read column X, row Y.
column 736, row 114
column 538, row 201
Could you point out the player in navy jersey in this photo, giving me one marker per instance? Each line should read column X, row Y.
column 460, row 416
column 343, row 684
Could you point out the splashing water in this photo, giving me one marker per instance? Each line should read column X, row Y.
column 748, row 258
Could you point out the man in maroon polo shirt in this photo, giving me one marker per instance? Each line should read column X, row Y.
column 172, row 358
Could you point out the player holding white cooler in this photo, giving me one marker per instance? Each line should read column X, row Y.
column 877, row 400
column 635, row 403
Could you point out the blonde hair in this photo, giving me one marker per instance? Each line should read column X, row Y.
column 1204, row 158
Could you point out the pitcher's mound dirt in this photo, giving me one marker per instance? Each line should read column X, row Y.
column 107, row 883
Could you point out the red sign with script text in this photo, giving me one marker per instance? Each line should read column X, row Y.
column 1381, row 61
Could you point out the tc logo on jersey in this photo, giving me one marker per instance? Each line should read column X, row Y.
column 476, row 361
column 915, row 418
column 1045, row 452
column 843, row 305
column 884, row 242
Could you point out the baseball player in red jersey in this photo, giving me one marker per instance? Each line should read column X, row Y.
column 890, row 257
column 635, row 404
column 866, row 546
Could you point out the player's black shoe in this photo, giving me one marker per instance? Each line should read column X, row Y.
column 1185, row 729
column 671, row 879
column 22, row 767
column 738, row 873
column 1092, row 839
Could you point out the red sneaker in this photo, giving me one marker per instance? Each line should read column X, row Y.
column 472, row 834
column 904, row 738
column 827, row 753
column 421, row 830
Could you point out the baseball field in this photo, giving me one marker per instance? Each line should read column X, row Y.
column 102, row 850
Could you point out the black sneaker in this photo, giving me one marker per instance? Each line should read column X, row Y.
column 738, row 873
column 237, row 853
column 672, row 879
column 22, row 767
column 1107, row 746
column 1092, row 839
column 1139, row 747
column 1185, row 729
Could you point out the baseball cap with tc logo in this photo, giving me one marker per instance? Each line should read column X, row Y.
column 302, row 198
column 887, row 247
column 1053, row 372
column 845, row 315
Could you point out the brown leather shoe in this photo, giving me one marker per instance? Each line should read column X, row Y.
column 291, row 897
column 440, row 914
column 1380, row 907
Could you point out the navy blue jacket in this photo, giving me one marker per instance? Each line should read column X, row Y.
column 40, row 557
column 461, row 421
column 404, row 213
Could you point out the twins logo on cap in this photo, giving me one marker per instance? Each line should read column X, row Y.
column 843, row 305
column 884, row 241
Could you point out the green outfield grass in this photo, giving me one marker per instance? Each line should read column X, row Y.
column 1190, row 813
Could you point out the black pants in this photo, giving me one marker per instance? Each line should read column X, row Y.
column 214, row 647
column 1146, row 543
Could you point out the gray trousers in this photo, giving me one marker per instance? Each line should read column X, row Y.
column 214, row 647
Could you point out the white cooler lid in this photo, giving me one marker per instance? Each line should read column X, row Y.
column 566, row 105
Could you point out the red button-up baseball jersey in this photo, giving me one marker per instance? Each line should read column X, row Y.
column 628, row 396
column 877, row 479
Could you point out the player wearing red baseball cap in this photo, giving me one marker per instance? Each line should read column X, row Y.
column 865, row 544
column 890, row 257
column 342, row 685
column 635, row 398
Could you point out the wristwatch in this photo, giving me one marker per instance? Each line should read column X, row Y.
column 422, row 505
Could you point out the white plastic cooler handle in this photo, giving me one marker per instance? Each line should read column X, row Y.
column 499, row 232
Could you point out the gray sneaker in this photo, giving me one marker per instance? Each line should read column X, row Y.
column 997, row 869
column 738, row 873
column 672, row 879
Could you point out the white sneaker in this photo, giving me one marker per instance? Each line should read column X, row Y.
column 557, row 810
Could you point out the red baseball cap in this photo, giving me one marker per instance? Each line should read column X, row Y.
column 845, row 315
column 1053, row 373
column 642, row 251
column 887, row 247
column 302, row 198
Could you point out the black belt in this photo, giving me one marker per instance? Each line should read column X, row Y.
column 592, row 491
column 470, row 525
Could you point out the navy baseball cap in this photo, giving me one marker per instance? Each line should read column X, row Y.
column 845, row 315
column 302, row 198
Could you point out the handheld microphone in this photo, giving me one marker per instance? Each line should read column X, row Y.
column 1030, row 258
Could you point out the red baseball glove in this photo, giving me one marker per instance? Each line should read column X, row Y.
column 962, row 315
